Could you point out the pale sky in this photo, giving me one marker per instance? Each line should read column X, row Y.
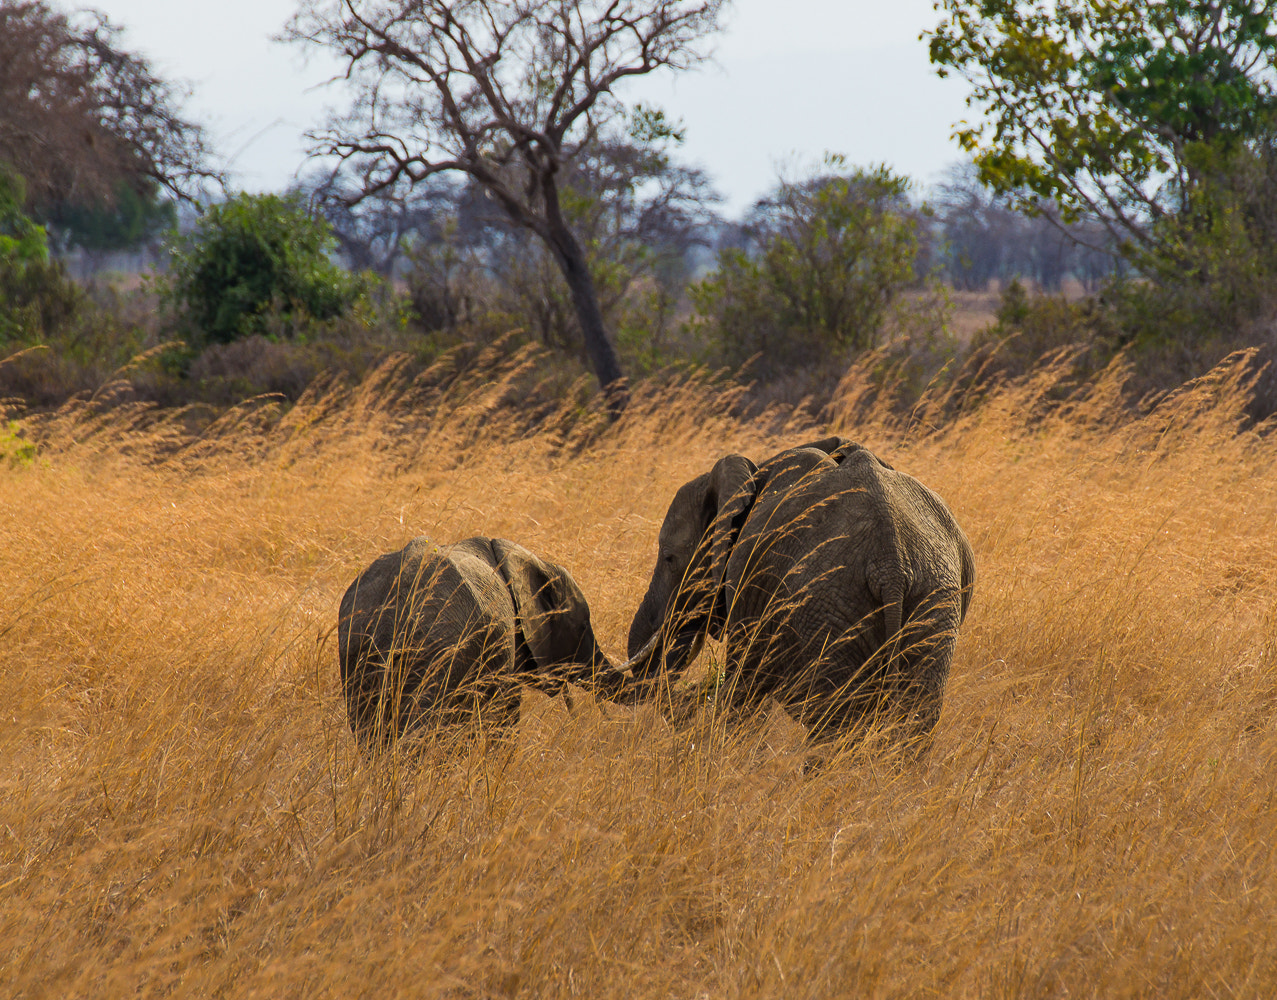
column 840, row 76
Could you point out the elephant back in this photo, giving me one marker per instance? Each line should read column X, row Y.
column 800, row 548
column 898, row 525
column 852, row 570
column 416, row 631
column 918, row 538
column 789, row 576
column 937, row 554
column 786, row 519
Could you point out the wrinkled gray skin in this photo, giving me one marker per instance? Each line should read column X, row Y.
column 837, row 582
column 440, row 633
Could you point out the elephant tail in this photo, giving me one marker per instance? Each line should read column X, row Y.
column 893, row 603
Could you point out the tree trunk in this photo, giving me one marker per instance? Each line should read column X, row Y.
column 585, row 300
column 597, row 346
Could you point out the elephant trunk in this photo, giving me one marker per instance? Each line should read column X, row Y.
column 642, row 663
column 593, row 668
column 635, row 674
column 618, row 680
column 646, row 624
column 678, row 613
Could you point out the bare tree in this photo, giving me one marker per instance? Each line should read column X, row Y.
column 509, row 92
column 372, row 232
column 79, row 114
column 985, row 236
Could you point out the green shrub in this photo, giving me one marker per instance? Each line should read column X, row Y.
column 832, row 255
column 1029, row 327
column 21, row 241
column 257, row 264
column 36, row 297
column 37, row 300
column 130, row 219
column 15, row 450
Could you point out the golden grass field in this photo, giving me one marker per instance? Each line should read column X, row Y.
column 183, row 811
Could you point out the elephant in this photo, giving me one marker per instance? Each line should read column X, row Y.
column 836, row 582
column 434, row 634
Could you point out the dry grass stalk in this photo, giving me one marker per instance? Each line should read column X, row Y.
column 183, row 812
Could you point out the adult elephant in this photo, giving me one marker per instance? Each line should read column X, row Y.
column 837, row 583
column 441, row 633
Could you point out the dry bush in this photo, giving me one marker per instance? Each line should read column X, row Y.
column 183, row 811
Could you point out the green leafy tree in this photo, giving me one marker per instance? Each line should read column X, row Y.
column 36, row 297
column 129, row 219
column 255, row 258
column 21, row 239
column 828, row 256
column 1120, row 110
column 1212, row 272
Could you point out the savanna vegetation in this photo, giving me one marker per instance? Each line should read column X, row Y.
column 540, row 338
column 185, row 811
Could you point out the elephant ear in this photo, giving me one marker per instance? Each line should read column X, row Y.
column 551, row 611
column 831, row 445
column 968, row 572
column 838, row 448
column 729, row 497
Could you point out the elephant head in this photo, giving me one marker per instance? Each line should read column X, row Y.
column 552, row 617
column 684, row 596
column 438, row 632
column 687, row 597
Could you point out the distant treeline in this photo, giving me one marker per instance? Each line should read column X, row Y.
column 968, row 236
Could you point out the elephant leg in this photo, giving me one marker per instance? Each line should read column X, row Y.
column 898, row 691
column 923, row 699
column 387, row 703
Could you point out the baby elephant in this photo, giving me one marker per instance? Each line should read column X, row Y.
column 444, row 633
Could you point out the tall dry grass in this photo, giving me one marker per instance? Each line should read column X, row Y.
column 183, row 812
